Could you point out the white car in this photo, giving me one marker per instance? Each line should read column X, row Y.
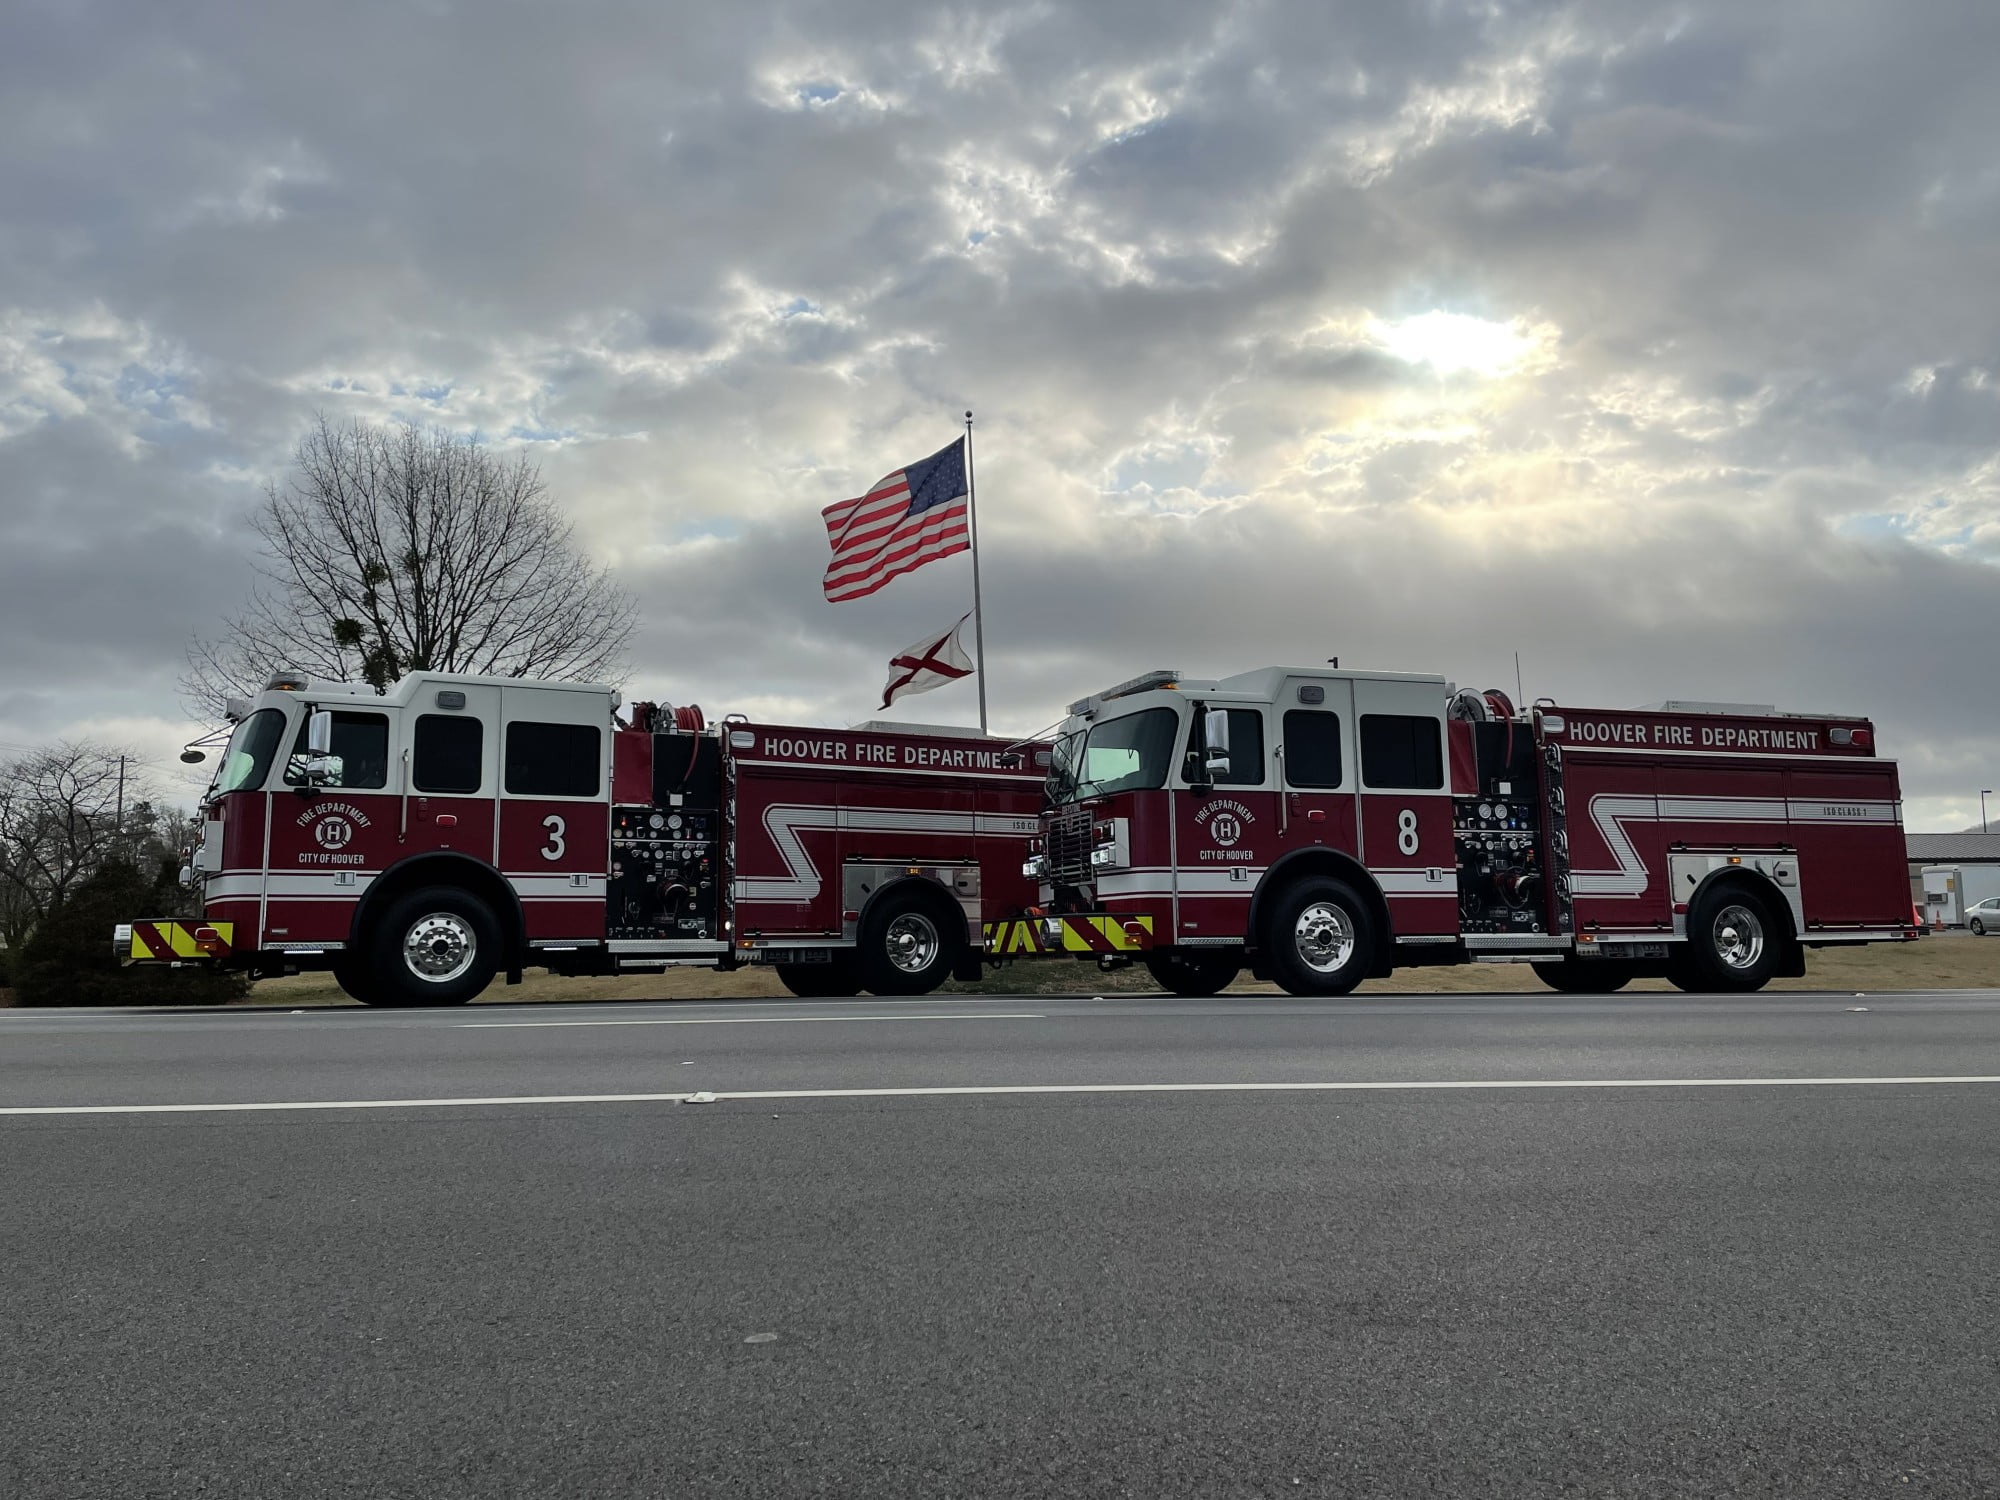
column 1983, row 916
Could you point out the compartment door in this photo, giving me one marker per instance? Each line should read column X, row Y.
column 1405, row 831
column 553, row 845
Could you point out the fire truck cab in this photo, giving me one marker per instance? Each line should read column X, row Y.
column 1322, row 826
column 419, row 842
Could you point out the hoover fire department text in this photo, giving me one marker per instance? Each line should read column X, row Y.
column 868, row 753
column 1689, row 736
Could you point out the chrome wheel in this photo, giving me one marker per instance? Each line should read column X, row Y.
column 1739, row 937
column 1324, row 937
column 440, row 947
column 911, row 942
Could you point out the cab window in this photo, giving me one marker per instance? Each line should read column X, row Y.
column 1401, row 751
column 1246, row 751
column 553, row 760
column 360, row 744
column 446, row 754
column 1312, row 748
column 1127, row 754
column 252, row 747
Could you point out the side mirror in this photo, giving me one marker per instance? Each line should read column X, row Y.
column 236, row 710
column 319, row 732
column 1215, row 735
column 324, row 770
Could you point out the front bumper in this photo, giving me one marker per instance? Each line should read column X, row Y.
column 169, row 940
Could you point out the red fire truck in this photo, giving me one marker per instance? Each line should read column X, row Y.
column 418, row 843
column 1323, row 826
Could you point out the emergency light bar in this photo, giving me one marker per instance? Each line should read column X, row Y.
column 1145, row 682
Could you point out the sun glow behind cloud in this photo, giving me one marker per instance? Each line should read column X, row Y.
column 1458, row 343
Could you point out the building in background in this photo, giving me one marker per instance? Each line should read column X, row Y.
column 1943, row 896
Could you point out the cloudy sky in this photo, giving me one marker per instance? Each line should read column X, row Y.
column 1659, row 343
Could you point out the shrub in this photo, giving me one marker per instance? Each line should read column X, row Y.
column 69, row 960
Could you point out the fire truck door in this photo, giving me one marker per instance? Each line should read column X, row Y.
column 1315, row 734
column 1226, row 830
column 451, row 765
column 555, row 808
column 1406, row 832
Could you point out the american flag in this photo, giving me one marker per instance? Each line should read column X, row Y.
column 904, row 521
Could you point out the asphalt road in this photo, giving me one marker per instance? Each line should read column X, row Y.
column 1654, row 1245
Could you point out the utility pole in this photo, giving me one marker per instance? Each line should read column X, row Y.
column 1984, row 793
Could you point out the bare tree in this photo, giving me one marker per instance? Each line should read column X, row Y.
column 58, row 823
column 400, row 549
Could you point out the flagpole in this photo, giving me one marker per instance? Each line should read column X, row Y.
column 978, row 614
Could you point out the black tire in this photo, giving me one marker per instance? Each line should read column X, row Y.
column 351, row 974
column 829, row 981
column 440, row 928
column 1734, row 944
column 1575, row 976
column 909, row 941
column 1195, row 972
column 1319, row 938
column 1978, row 927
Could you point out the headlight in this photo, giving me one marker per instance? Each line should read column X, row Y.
column 1107, row 845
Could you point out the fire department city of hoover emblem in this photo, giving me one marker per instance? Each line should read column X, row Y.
column 334, row 832
column 1226, row 821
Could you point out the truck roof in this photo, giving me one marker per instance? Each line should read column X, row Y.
column 947, row 731
column 1259, row 685
column 407, row 688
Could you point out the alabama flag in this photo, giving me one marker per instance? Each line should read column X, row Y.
column 930, row 663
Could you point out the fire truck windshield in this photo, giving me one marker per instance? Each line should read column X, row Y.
column 247, row 760
column 1127, row 754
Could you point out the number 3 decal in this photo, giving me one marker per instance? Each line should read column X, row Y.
column 1406, row 830
column 556, row 828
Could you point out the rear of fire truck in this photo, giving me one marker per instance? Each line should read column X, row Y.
column 1320, row 827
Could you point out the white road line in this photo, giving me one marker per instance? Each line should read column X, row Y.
column 979, row 1090
column 998, row 1015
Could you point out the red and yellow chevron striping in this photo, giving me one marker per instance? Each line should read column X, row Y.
column 166, row 942
column 1080, row 934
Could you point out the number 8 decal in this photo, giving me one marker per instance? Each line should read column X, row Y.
column 1406, row 830
column 556, row 828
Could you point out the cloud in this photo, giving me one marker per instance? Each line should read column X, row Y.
column 1657, row 345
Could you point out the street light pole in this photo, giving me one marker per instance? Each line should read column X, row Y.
column 1984, row 793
